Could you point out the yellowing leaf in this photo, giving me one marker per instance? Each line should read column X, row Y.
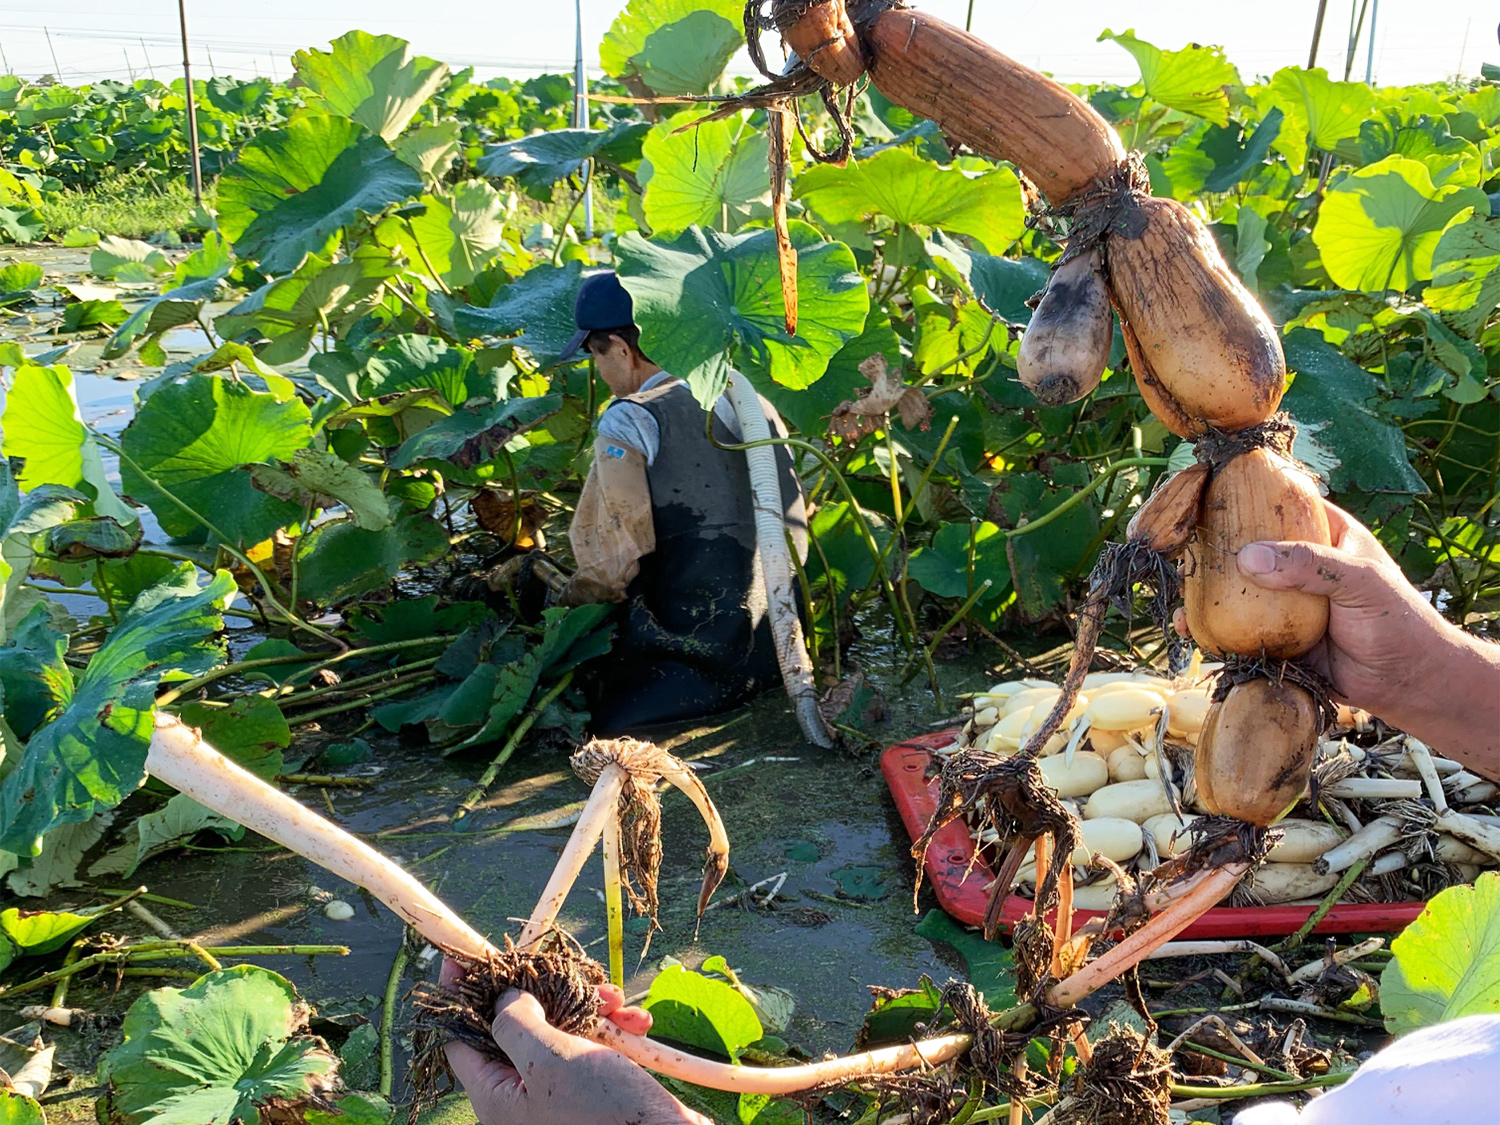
column 693, row 176
column 1447, row 962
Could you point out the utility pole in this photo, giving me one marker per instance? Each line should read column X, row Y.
column 149, row 65
column 128, row 68
column 213, row 67
column 6, row 61
column 1312, row 54
column 1355, row 28
column 581, row 118
column 56, row 66
column 192, row 109
column 1370, row 56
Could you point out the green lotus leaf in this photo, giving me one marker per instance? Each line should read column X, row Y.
column 1332, row 399
column 540, row 160
column 1447, row 963
column 1002, row 285
column 93, row 314
column 538, row 305
column 92, row 755
column 321, row 479
column 372, row 79
column 292, row 309
column 1320, row 113
column 1393, row 132
column 917, row 193
column 42, row 424
column 473, row 436
column 175, row 823
column 1216, row 158
column 95, row 537
column 215, row 1052
column 707, row 300
column 34, row 678
column 251, row 731
column 691, row 178
column 942, row 567
column 127, row 259
column 20, row 277
column 22, row 224
column 293, row 189
column 18, row 1109
column 459, row 233
column 240, row 98
column 194, row 438
column 1466, row 274
column 673, row 46
column 1379, row 227
column 340, row 559
column 171, row 309
column 1191, row 80
column 34, row 933
column 698, row 1011
column 410, row 361
column 430, row 149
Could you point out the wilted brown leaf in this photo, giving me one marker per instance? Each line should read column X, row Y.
column 851, row 420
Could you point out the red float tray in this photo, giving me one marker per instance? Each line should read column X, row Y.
column 960, row 887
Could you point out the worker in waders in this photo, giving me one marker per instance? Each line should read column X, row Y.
column 665, row 527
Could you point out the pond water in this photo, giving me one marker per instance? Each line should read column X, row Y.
column 817, row 825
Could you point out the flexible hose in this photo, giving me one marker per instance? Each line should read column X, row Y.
column 776, row 562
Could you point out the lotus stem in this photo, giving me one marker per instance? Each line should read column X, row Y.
column 1063, row 930
column 1207, row 948
column 1386, row 864
column 1471, row 830
column 1379, row 834
column 1204, row 892
column 716, row 863
column 778, row 1080
column 388, row 1014
column 178, row 756
column 1374, row 788
column 613, row 905
column 1314, row 969
column 1421, row 758
column 602, row 807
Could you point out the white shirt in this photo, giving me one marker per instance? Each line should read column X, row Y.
column 1443, row 1075
column 632, row 425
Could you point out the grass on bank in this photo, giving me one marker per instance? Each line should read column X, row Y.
column 131, row 205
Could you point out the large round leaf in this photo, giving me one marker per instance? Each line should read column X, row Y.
column 459, row 233
column 372, row 79
column 698, row 175
column 194, row 438
column 293, row 189
column 1447, row 962
column 918, row 193
column 215, row 1052
column 1466, row 274
column 1192, row 79
column 92, row 755
column 673, row 46
column 1319, row 111
column 708, row 299
column 1379, row 227
column 538, row 161
column 538, row 305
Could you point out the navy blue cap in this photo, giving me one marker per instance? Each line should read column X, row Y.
column 602, row 304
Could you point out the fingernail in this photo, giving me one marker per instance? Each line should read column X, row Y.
column 1257, row 558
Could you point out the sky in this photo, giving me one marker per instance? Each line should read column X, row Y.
column 1415, row 40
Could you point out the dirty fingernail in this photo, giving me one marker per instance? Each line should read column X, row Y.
column 1257, row 558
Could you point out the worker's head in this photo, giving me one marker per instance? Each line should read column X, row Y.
column 604, row 314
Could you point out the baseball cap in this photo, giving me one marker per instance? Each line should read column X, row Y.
column 602, row 304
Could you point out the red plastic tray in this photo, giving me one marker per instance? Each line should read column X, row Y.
column 960, row 888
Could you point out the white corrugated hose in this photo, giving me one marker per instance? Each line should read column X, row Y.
column 776, row 562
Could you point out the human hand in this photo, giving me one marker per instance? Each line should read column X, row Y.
column 1387, row 649
column 561, row 1079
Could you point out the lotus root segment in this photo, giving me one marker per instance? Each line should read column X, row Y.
column 823, row 38
column 983, row 99
column 1256, row 750
column 1204, row 353
column 1066, row 346
column 1258, row 495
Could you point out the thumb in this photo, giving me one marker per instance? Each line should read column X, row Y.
column 523, row 1033
column 1314, row 568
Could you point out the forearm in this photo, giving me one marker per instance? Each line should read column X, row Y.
column 1451, row 700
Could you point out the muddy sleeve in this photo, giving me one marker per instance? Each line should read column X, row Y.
column 612, row 529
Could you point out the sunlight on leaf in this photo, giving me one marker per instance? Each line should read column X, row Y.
column 1447, row 962
column 1192, row 79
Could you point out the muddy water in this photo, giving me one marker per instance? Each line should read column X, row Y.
column 818, row 827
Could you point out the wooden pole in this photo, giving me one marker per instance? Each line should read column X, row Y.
column 149, row 64
column 192, row 109
column 56, row 66
column 1312, row 54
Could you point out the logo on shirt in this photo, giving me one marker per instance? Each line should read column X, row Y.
column 614, row 451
